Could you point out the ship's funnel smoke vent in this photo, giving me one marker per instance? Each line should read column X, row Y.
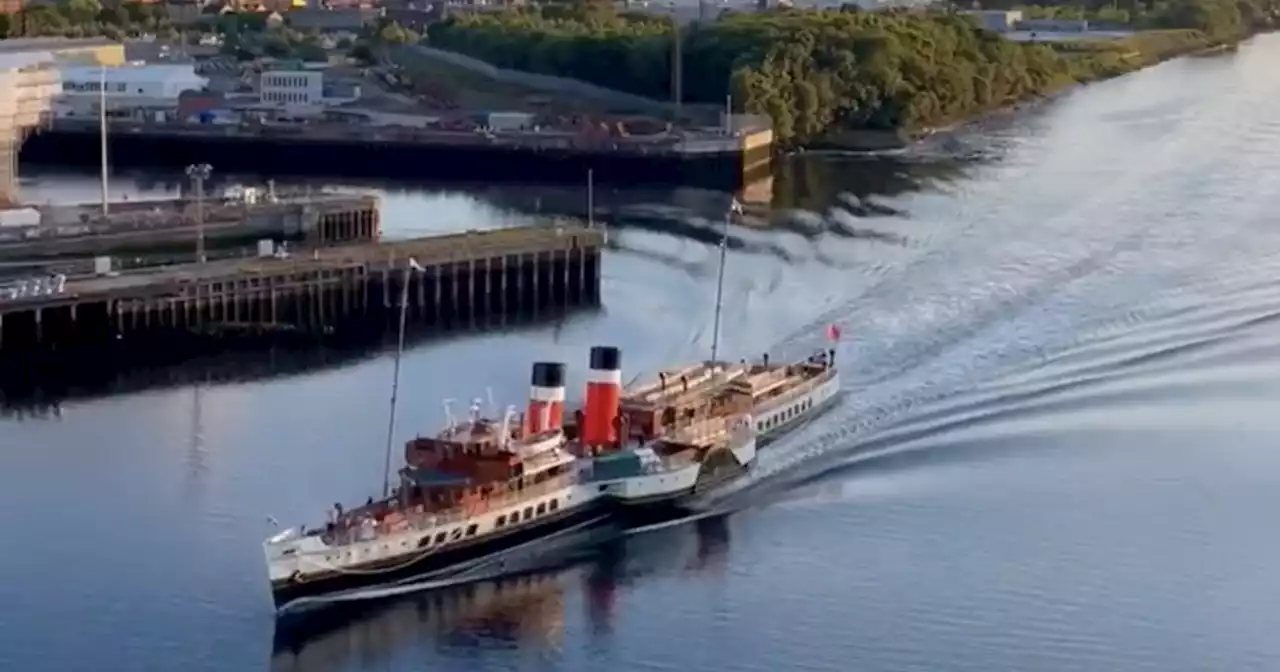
column 604, row 392
column 546, row 398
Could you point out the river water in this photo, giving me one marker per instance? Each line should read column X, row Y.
column 1058, row 451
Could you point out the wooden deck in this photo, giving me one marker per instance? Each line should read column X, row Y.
column 372, row 257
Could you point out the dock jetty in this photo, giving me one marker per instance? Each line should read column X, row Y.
column 705, row 158
column 453, row 280
column 39, row 234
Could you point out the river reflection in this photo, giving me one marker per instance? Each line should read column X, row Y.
column 35, row 386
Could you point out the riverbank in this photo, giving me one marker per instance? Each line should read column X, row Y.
column 1092, row 61
column 833, row 78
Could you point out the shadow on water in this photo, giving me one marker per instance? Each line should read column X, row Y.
column 854, row 183
column 804, row 182
column 36, row 386
column 516, row 611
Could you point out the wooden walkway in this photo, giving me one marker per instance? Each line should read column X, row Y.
column 464, row 277
column 372, row 257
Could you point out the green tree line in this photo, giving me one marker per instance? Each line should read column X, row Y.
column 87, row 18
column 814, row 72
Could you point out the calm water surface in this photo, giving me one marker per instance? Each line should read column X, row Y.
column 1059, row 450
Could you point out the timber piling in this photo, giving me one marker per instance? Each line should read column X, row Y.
column 460, row 280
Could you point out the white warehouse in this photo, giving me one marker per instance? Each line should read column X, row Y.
column 292, row 87
column 155, row 82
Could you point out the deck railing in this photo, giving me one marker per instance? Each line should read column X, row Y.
column 356, row 532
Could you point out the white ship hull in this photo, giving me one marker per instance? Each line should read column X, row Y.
column 303, row 566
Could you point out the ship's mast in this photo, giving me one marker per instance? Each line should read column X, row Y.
column 734, row 207
column 395, row 375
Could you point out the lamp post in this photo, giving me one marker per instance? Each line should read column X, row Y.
column 198, row 173
column 102, row 134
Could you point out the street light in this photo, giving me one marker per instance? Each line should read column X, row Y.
column 198, row 173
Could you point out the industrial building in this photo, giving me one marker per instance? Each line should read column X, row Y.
column 163, row 82
column 296, row 85
column 293, row 87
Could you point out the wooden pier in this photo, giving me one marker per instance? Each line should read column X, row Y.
column 459, row 280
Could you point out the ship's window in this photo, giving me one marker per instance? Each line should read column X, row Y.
column 422, row 543
column 542, row 508
column 502, row 520
column 471, row 530
column 457, row 534
column 603, row 488
column 440, row 538
column 555, row 504
column 528, row 512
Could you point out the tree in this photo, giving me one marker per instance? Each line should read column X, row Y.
column 81, row 12
column 394, row 33
column 361, row 53
column 811, row 71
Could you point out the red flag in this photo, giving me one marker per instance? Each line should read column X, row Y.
column 833, row 332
